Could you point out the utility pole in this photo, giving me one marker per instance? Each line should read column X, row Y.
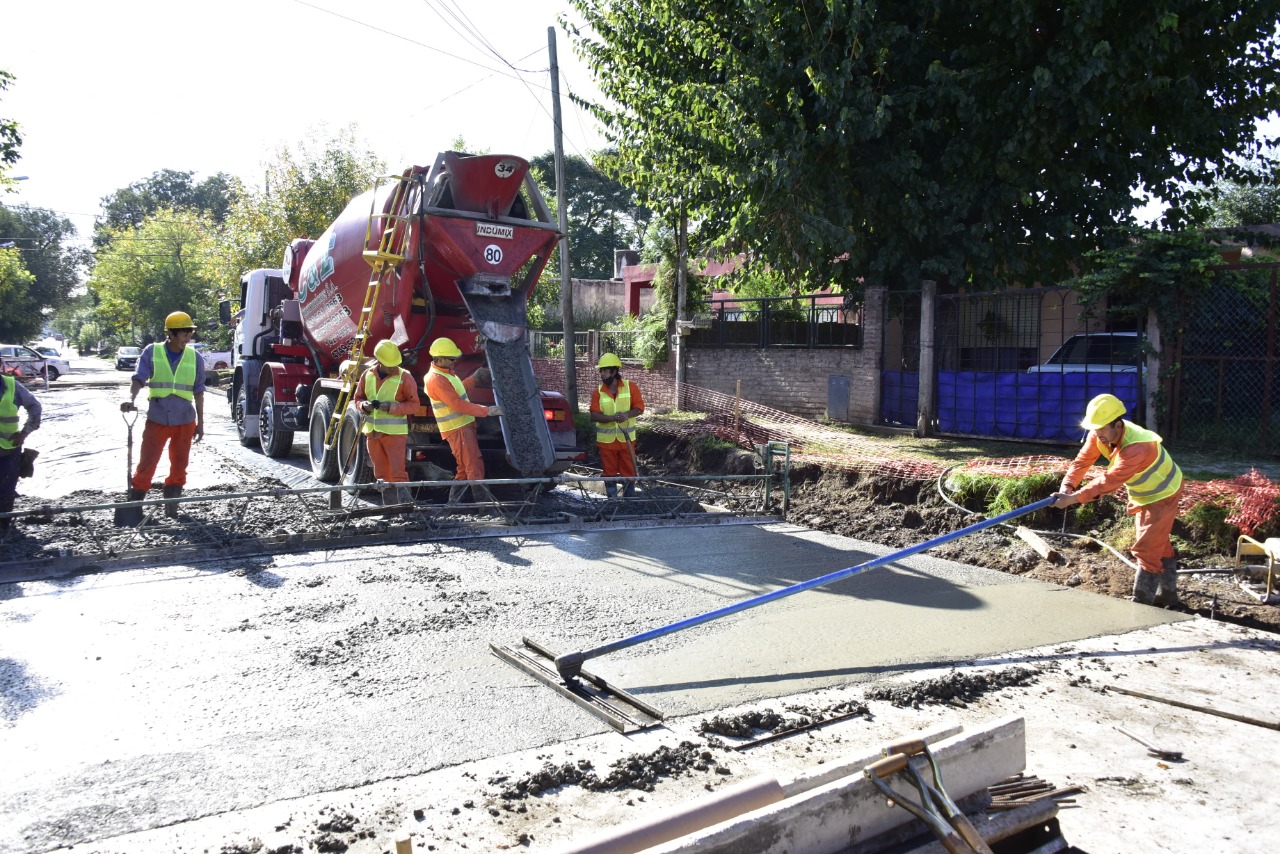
column 562, row 211
column 682, row 289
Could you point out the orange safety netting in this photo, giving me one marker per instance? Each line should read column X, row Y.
column 1251, row 498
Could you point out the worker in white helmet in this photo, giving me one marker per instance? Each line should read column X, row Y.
column 1137, row 461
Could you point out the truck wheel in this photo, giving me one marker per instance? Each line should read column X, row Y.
column 353, row 459
column 276, row 441
column 324, row 461
column 246, row 428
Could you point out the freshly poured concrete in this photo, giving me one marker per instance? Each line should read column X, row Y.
column 138, row 699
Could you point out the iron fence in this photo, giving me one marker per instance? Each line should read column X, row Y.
column 550, row 345
column 812, row 321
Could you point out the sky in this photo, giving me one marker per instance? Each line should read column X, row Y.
column 108, row 93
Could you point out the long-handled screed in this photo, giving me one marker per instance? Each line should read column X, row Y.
column 926, row 810
column 570, row 664
column 129, row 517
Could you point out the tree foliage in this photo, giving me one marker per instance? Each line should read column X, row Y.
column 302, row 192
column 603, row 213
column 43, row 241
column 10, row 136
column 845, row 141
column 163, row 265
column 1254, row 199
column 167, row 188
column 20, row 318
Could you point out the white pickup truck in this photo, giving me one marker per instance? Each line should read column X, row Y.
column 214, row 360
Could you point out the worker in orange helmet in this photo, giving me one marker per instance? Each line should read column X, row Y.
column 1138, row 462
column 387, row 394
column 456, row 415
column 173, row 374
column 615, row 404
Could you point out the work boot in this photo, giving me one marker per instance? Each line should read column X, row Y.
column 456, row 493
column 1144, row 586
column 6, row 506
column 628, row 490
column 610, row 489
column 1167, row 584
column 484, row 496
column 171, row 510
column 403, row 495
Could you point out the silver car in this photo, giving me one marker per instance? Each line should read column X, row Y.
column 24, row 359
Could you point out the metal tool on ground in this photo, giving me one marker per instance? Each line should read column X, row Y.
column 129, row 517
column 631, row 486
column 570, row 664
column 937, row 792
column 1154, row 750
column 925, row 809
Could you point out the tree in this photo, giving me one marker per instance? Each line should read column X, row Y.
column 10, row 137
column 20, row 319
column 303, row 191
column 163, row 265
column 168, row 188
column 43, row 240
column 1252, row 200
column 604, row 214
column 843, row 141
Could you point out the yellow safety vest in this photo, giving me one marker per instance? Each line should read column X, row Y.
column 8, row 411
column 379, row 419
column 447, row 418
column 615, row 431
column 1158, row 480
column 164, row 381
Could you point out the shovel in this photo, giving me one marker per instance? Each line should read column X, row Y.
column 129, row 517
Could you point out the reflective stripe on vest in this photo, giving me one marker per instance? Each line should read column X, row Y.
column 379, row 419
column 8, row 411
column 615, row 431
column 165, row 382
column 446, row 417
column 1157, row 481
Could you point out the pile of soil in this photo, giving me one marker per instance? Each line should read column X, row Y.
column 897, row 513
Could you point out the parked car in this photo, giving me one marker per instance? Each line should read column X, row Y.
column 127, row 358
column 18, row 357
column 214, row 360
column 1096, row 352
column 56, row 365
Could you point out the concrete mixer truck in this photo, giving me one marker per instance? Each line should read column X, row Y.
column 452, row 250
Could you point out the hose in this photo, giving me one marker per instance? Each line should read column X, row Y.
column 1086, row 537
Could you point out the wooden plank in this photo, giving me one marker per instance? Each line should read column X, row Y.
column 1036, row 542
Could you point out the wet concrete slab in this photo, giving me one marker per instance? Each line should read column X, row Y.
column 142, row 698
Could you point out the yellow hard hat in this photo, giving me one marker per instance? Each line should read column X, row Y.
column 1101, row 411
column 178, row 320
column 444, row 347
column 387, row 354
column 609, row 360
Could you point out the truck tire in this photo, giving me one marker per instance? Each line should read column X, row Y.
column 276, row 441
column 353, row 459
column 246, row 428
column 324, row 461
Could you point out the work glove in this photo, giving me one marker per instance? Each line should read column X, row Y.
column 128, row 406
column 495, row 410
column 483, row 377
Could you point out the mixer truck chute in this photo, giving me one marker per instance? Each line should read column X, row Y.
column 455, row 251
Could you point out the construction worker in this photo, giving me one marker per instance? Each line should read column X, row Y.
column 13, row 396
column 456, row 415
column 615, row 404
column 173, row 374
column 1138, row 462
column 387, row 394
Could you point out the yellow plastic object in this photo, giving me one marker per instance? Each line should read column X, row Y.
column 1101, row 411
column 387, row 354
column 178, row 320
column 1269, row 548
column 609, row 360
column 444, row 347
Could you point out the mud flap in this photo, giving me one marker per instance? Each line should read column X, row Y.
column 524, row 425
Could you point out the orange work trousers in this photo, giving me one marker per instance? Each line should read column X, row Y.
column 1153, row 523
column 386, row 455
column 615, row 459
column 154, row 438
column 466, row 452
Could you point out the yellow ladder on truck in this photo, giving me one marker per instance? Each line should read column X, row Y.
column 390, row 252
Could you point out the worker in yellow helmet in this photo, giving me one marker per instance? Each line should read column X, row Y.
column 387, row 394
column 173, row 375
column 14, row 396
column 615, row 404
column 1137, row 461
column 456, row 415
